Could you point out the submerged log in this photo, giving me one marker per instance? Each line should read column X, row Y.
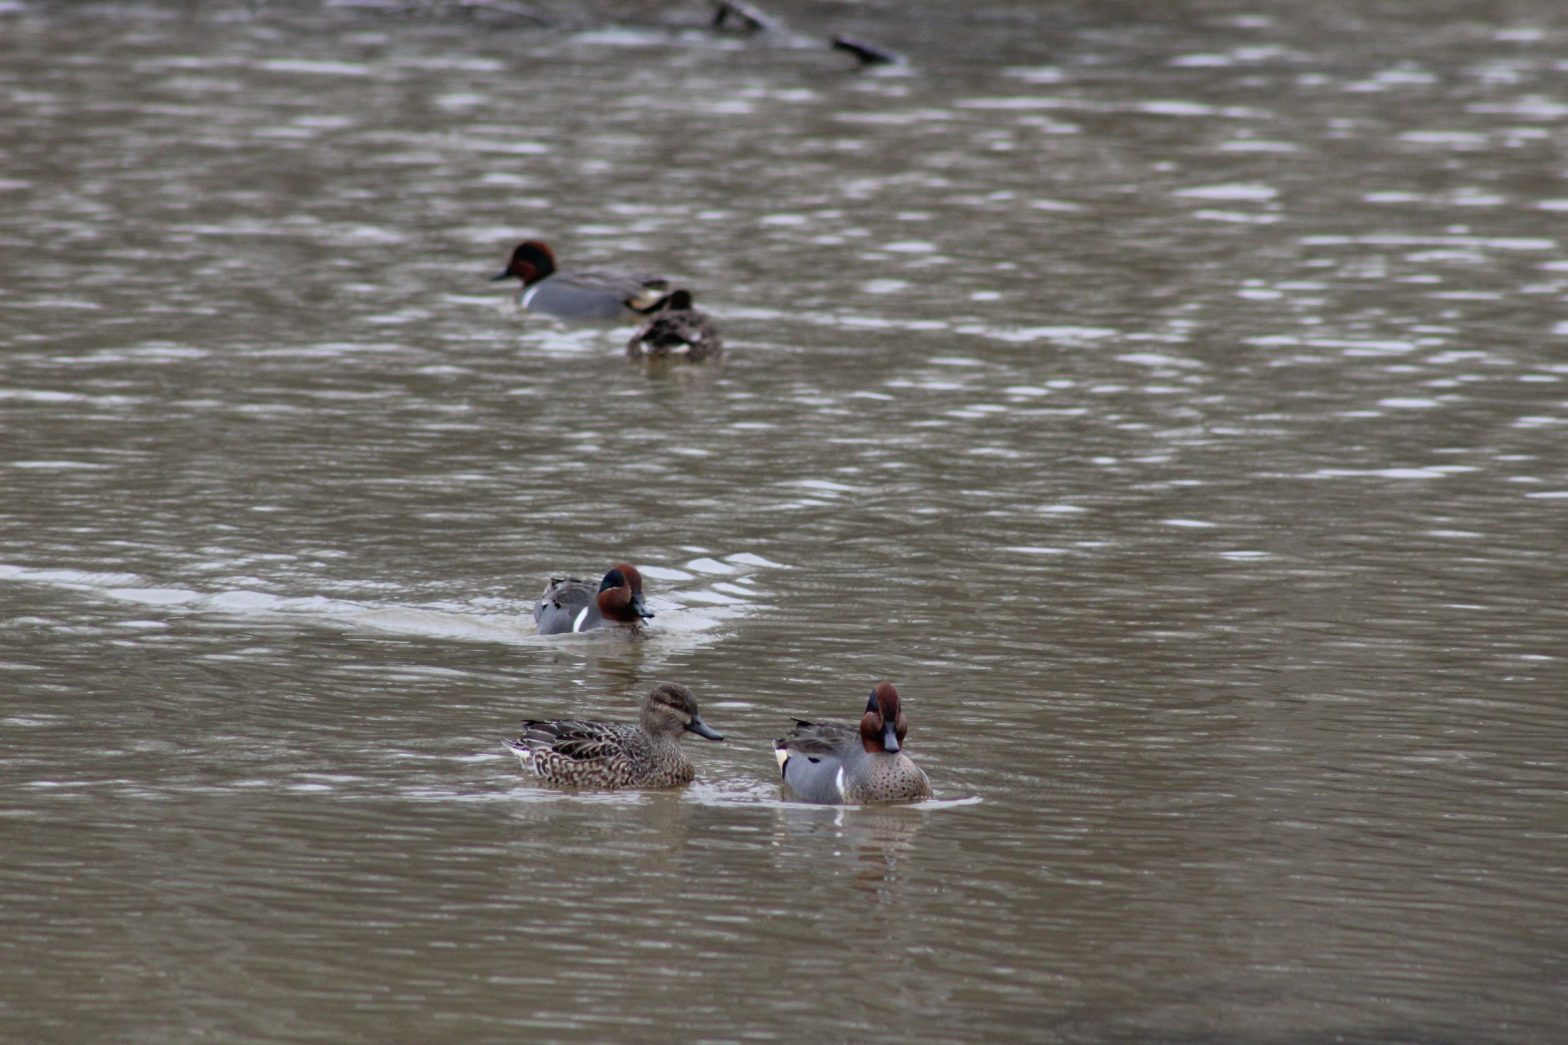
column 748, row 16
column 868, row 54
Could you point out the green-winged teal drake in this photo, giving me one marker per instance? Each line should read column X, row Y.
column 617, row 754
column 570, row 604
column 676, row 330
column 584, row 295
column 835, row 763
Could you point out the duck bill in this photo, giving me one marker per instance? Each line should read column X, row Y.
column 499, row 276
column 641, row 608
column 702, row 729
column 889, row 738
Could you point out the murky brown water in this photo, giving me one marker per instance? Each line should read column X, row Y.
column 1170, row 400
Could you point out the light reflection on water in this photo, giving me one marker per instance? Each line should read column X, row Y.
column 1169, row 405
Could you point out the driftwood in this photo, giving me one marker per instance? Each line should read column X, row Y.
column 748, row 16
column 752, row 19
column 869, row 54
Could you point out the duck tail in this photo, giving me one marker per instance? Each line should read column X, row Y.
column 658, row 306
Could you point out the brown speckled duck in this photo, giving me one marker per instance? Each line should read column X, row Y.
column 608, row 755
column 834, row 763
column 676, row 331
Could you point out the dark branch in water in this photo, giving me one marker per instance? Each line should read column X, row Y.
column 869, row 54
column 749, row 17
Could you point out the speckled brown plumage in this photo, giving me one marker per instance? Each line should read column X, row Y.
column 677, row 330
column 609, row 755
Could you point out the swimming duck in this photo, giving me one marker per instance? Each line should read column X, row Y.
column 676, row 331
column 589, row 294
column 617, row 754
column 572, row 604
column 834, row 763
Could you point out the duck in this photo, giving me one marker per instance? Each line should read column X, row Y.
column 570, row 604
column 585, row 295
column 835, row 763
column 676, row 331
column 609, row 755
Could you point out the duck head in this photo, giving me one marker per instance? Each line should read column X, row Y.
column 531, row 262
column 620, row 595
column 671, row 708
column 882, row 727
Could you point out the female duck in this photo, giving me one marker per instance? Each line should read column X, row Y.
column 676, row 331
column 833, row 763
column 617, row 754
column 570, row 604
column 589, row 294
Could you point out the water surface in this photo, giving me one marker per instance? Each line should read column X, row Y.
column 1169, row 400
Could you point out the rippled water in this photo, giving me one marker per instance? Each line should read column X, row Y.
column 1170, row 400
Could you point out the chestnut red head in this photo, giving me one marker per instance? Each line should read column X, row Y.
column 620, row 595
column 882, row 727
column 530, row 262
